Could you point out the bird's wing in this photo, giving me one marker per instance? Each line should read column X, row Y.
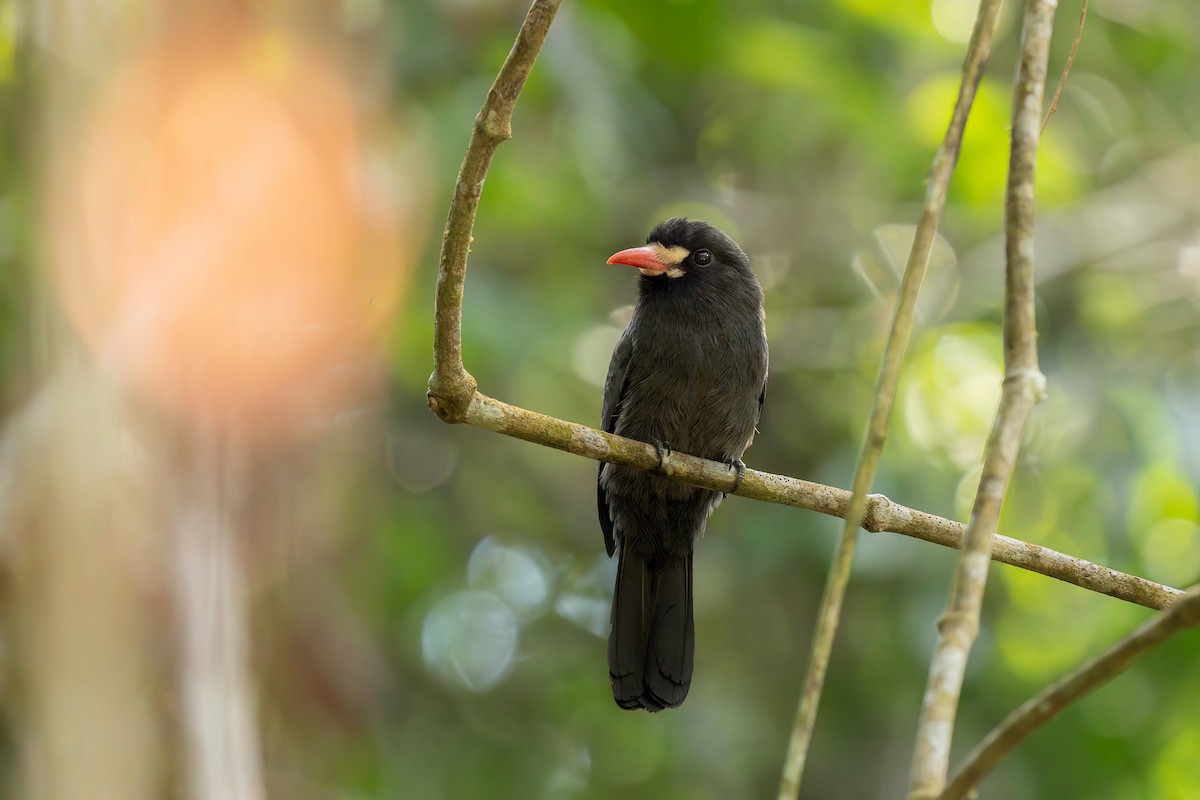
column 762, row 395
column 614, row 388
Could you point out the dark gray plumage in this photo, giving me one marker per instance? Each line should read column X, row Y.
column 689, row 374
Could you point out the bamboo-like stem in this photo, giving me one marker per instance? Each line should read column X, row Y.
column 1046, row 704
column 450, row 382
column 1024, row 385
column 830, row 611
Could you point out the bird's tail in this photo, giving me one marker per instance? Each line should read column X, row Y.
column 652, row 641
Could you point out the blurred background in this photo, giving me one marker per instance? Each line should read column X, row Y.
column 219, row 233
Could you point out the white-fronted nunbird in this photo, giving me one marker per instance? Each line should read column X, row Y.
column 689, row 374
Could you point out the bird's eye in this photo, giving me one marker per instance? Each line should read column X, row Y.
column 702, row 258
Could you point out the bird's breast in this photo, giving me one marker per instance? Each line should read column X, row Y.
column 694, row 388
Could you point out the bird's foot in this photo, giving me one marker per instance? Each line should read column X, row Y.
column 664, row 452
column 740, row 468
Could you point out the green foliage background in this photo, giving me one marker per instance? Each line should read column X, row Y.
column 472, row 564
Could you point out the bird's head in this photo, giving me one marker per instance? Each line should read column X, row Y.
column 688, row 251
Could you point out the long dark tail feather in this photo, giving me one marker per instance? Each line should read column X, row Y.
column 630, row 623
column 672, row 643
column 652, row 642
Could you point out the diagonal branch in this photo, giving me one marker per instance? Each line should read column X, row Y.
column 1024, row 385
column 1046, row 704
column 885, row 396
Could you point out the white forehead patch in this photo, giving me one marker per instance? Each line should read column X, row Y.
column 673, row 256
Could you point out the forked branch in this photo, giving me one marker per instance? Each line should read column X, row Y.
column 1046, row 704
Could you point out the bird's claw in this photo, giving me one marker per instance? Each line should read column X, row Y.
column 740, row 468
column 664, row 452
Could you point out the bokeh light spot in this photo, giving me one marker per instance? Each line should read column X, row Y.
column 593, row 349
column 586, row 597
column 470, row 639
column 211, row 238
column 951, row 391
column 420, row 460
column 512, row 574
column 1160, row 492
column 1170, row 548
column 954, row 19
column 881, row 265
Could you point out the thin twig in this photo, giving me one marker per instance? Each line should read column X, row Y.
column 838, row 578
column 882, row 514
column 453, row 384
column 1062, row 80
column 1024, row 385
column 1046, row 704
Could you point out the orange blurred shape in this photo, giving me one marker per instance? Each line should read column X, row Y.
column 217, row 237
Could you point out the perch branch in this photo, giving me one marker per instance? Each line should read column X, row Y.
column 1024, row 385
column 881, row 515
column 838, row 578
column 450, row 382
column 1045, row 705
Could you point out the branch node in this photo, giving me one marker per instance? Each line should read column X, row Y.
column 879, row 511
column 449, row 397
column 1031, row 380
column 959, row 627
column 1188, row 610
column 494, row 124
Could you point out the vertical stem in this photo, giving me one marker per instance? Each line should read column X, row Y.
column 451, row 386
column 885, row 395
column 80, row 543
column 1024, row 385
column 221, row 734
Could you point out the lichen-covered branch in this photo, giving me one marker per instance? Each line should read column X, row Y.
column 838, row 579
column 1046, row 704
column 881, row 513
column 1023, row 387
column 450, row 383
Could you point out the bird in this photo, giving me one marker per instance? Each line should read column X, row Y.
column 688, row 374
